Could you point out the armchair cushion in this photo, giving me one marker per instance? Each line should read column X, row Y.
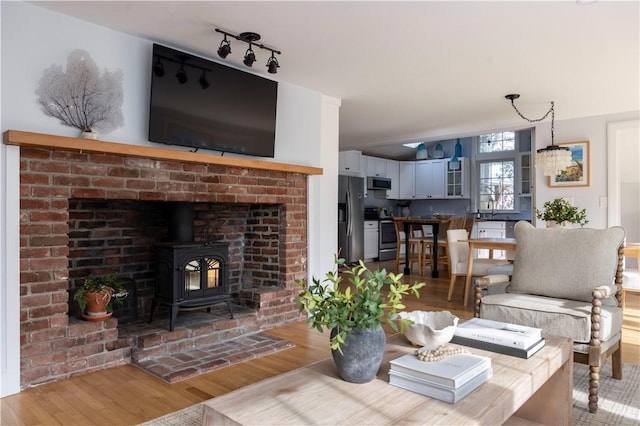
column 561, row 317
column 564, row 263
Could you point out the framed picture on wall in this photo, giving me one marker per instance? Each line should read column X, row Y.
column 578, row 173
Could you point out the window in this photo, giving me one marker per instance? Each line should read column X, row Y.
column 497, row 185
column 497, row 142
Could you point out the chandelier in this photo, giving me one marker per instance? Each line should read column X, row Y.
column 552, row 159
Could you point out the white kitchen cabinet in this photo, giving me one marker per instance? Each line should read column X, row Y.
column 349, row 163
column 407, row 178
column 393, row 172
column 491, row 229
column 430, row 179
column 458, row 181
column 376, row 166
column 525, row 181
column 370, row 239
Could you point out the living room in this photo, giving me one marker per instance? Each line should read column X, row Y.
column 34, row 38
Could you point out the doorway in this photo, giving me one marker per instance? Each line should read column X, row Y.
column 623, row 141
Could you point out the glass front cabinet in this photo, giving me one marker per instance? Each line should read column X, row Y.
column 458, row 179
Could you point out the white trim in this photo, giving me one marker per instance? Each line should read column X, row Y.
column 9, row 271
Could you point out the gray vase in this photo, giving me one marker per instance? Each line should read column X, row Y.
column 361, row 355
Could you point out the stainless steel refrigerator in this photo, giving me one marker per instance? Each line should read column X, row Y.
column 351, row 218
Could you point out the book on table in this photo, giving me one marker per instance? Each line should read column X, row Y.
column 499, row 333
column 452, row 372
column 502, row 349
column 436, row 391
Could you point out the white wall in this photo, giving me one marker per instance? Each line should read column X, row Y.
column 594, row 130
column 32, row 39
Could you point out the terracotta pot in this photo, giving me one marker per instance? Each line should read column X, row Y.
column 97, row 305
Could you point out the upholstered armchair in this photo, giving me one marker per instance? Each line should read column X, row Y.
column 568, row 282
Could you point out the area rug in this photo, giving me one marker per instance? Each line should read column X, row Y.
column 618, row 405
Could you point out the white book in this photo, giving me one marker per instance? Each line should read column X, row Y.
column 499, row 333
column 452, row 372
column 438, row 392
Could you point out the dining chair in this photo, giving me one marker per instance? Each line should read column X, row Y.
column 458, row 253
column 414, row 252
column 456, row 222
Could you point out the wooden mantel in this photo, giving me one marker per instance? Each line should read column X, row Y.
column 39, row 140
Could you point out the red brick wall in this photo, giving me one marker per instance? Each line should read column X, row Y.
column 53, row 345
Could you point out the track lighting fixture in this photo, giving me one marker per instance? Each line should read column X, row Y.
column 552, row 159
column 272, row 64
column 181, row 75
column 225, row 48
column 203, row 81
column 249, row 57
column 158, row 69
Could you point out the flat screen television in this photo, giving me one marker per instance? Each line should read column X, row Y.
column 201, row 104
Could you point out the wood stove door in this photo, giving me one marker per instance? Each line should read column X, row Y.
column 204, row 277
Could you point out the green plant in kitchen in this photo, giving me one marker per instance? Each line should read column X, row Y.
column 561, row 212
column 98, row 294
column 370, row 299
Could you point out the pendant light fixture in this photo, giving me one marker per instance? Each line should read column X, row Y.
column 552, row 159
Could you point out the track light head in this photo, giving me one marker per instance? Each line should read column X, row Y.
column 158, row 69
column 249, row 57
column 272, row 64
column 225, row 48
column 181, row 75
column 203, row 81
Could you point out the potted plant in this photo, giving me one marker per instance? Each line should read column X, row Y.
column 560, row 212
column 97, row 295
column 355, row 314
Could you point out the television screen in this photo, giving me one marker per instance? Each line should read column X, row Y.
column 202, row 104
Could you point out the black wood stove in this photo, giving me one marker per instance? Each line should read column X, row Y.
column 190, row 276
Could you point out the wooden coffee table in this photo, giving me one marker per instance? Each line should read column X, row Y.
column 533, row 391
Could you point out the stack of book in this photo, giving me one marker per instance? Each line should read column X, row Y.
column 449, row 379
column 500, row 337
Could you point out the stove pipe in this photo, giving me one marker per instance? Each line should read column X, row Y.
column 181, row 222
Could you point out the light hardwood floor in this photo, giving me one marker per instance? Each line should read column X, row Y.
column 127, row 396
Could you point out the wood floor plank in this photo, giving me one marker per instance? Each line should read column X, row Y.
column 126, row 395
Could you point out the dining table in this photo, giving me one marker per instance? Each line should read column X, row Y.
column 484, row 243
column 435, row 223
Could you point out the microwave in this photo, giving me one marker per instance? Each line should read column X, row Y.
column 374, row 182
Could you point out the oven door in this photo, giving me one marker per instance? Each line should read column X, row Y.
column 386, row 240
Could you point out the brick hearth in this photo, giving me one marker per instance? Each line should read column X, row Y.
column 65, row 193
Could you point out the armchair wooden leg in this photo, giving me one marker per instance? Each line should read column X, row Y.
column 594, row 383
column 616, row 363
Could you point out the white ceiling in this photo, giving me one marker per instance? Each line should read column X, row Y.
column 415, row 71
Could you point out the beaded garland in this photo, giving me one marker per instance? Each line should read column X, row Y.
column 439, row 353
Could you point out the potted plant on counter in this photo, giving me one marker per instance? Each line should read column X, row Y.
column 97, row 296
column 355, row 314
column 560, row 212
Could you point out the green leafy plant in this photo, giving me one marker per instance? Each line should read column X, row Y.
column 108, row 284
column 361, row 305
column 561, row 210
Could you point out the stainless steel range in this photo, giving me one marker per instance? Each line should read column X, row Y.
column 386, row 233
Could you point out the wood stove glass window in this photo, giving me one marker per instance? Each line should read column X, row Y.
column 202, row 274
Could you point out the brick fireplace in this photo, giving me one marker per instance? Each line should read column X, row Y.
column 99, row 208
